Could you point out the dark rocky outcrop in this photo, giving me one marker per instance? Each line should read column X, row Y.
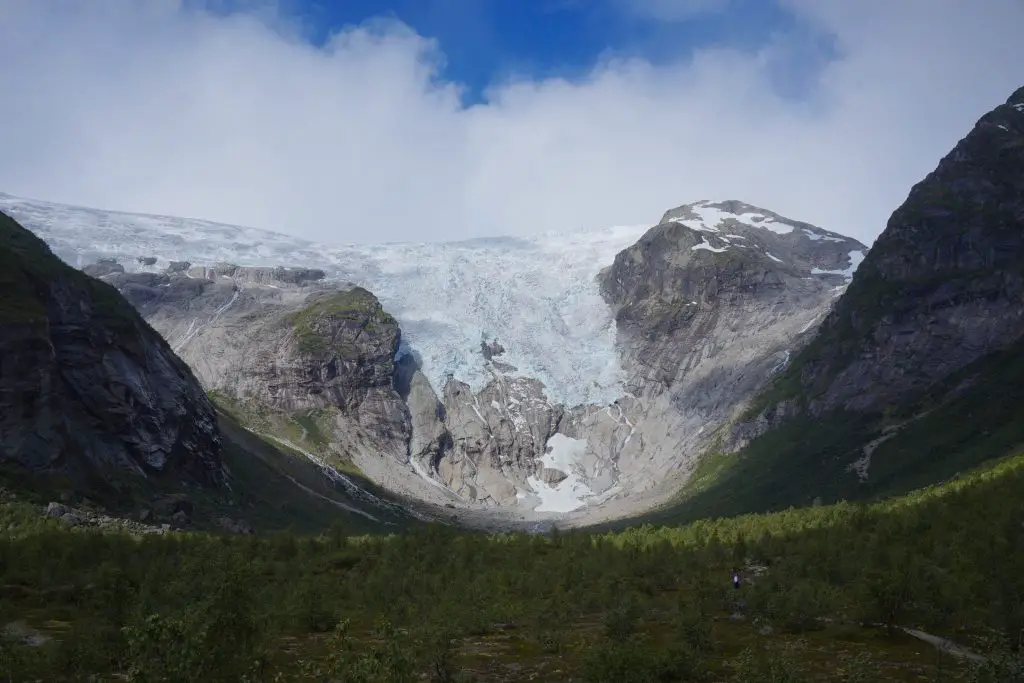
column 942, row 287
column 87, row 387
column 103, row 267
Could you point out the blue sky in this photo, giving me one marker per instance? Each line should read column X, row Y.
column 333, row 121
column 488, row 41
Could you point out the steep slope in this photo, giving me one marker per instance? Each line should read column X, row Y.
column 87, row 388
column 709, row 305
column 306, row 362
column 916, row 372
column 943, row 284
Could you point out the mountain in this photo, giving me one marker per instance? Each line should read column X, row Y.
column 571, row 376
column 915, row 373
column 88, row 389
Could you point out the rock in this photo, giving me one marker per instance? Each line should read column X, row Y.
column 146, row 260
column 145, row 514
column 491, row 349
column 178, row 266
column 180, row 520
column 235, row 526
column 103, row 267
column 24, row 634
column 172, row 505
column 55, row 510
column 552, row 476
column 72, row 519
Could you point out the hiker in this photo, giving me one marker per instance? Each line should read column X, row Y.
column 735, row 577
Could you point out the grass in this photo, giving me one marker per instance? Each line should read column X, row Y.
column 313, row 323
column 276, row 488
column 309, row 430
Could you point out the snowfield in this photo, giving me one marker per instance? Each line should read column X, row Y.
column 572, row 492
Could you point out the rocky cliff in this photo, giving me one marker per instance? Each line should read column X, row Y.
column 308, row 363
column 915, row 373
column 709, row 305
column 943, row 285
column 87, row 388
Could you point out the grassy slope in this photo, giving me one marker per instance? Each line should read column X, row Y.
column 264, row 476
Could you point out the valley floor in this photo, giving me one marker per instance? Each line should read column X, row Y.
column 827, row 594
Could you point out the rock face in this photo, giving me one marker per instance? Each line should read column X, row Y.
column 87, row 388
column 281, row 340
column 942, row 287
column 710, row 304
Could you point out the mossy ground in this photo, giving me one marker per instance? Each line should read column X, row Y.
column 354, row 304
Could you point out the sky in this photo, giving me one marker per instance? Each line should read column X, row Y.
column 367, row 121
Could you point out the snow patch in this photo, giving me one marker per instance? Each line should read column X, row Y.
column 856, row 257
column 710, row 217
column 809, row 325
column 817, row 236
column 706, row 246
column 569, row 494
column 773, row 258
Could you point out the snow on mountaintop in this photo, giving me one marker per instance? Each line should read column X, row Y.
column 718, row 222
column 706, row 216
column 537, row 295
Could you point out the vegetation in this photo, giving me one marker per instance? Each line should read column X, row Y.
column 825, row 592
column 312, row 324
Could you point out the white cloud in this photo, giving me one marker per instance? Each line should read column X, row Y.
column 159, row 109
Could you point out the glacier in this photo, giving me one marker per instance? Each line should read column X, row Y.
column 536, row 295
